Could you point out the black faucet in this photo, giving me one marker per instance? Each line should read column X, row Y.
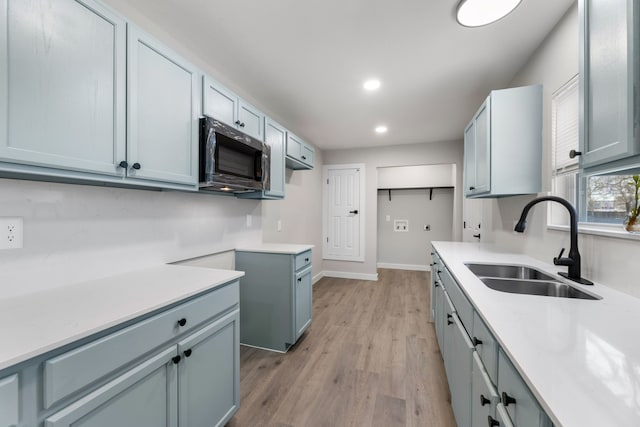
column 573, row 261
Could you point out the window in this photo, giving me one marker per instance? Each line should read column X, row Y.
column 565, row 121
column 600, row 199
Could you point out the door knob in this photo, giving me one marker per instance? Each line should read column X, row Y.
column 354, row 212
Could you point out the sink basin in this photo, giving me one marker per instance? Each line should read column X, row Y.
column 536, row 287
column 509, row 272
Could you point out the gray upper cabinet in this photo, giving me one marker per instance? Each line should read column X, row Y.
column 64, row 106
column 609, row 82
column 300, row 155
column 503, row 144
column 275, row 138
column 163, row 109
column 9, row 401
column 222, row 104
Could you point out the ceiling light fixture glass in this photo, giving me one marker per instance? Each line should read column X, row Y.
column 372, row 84
column 476, row 13
column 381, row 129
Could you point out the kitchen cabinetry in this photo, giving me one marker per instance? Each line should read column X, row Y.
column 459, row 354
column 65, row 90
column 275, row 137
column 162, row 110
column 484, row 397
column 503, row 144
column 224, row 105
column 275, row 295
column 300, row 155
column 9, row 401
column 609, row 83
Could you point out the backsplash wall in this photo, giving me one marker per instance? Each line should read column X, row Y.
column 74, row 232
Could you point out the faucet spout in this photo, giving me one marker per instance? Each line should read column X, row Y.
column 573, row 261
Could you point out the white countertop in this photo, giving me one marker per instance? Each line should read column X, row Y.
column 37, row 323
column 581, row 358
column 275, row 248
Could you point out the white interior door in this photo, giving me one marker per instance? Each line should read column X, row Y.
column 343, row 212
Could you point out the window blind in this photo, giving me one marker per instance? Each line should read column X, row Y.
column 565, row 126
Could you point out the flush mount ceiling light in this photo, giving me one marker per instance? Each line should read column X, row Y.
column 381, row 129
column 372, row 84
column 476, row 13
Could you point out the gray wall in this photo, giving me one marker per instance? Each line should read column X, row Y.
column 411, row 249
column 403, row 155
column 604, row 259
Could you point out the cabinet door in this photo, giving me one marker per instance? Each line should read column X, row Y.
column 145, row 396
column 459, row 374
column 304, row 301
column 209, row 374
column 163, row 112
column 294, row 146
column 483, row 148
column 9, row 404
column 307, row 154
column 470, row 158
column 251, row 120
column 502, row 416
column 608, row 81
column 276, row 138
column 483, row 395
column 62, row 85
column 219, row 102
column 439, row 314
column 448, row 334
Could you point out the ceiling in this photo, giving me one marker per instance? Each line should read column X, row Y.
column 304, row 62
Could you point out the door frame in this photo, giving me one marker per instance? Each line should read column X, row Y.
column 325, row 207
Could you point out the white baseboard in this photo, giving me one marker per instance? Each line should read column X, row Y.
column 413, row 267
column 317, row 277
column 348, row 275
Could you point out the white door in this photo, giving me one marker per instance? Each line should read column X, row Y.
column 343, row 212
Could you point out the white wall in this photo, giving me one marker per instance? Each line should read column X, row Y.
column 605, row 260
column 402, row 155
column 411, row 250
column 300, row 213
column 75, row 232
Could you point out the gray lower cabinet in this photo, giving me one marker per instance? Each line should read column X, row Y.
column 275, row 298
column 144, row 396
column 438, row 309
column 521, row 406
column 208, row 393
column 9, row 401
column 460, row 356
column 484, row 396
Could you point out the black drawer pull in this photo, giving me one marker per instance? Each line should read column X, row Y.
column 493, row 422
column 299, row 279
column 449, row 321
column 123, row 164
column 306, row 260
column 182, row 322
column 507, row 400
column 187, row 353
column 237, row 122
column 136, row 166
column 176, row 359
column 484, row 400
column 476, row 342
column 304, row 158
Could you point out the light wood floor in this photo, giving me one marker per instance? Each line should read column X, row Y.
column 369, row 358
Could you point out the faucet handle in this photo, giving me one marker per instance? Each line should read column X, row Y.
column 559, row 256
column 562, row 261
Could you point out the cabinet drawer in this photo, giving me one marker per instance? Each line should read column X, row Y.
column 460, row 302
column 487, row 349
column 9, row 406
column 303, row 260
column 75, row 369
column 522, row 407
column 484, row 396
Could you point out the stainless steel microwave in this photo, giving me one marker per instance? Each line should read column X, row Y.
column 231, row 161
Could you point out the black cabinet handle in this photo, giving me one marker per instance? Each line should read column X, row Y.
column 477, row 236
column 299, row 279
column 493, row 422
column 306, row 260
column 242, row 124
column 507, row 400
column 123, row 164
column 304, row 158
column 436, row 284
column 187, row 353
column 182, row 322
column 176, row 359
column 439, row 271
column 449, row 321
column 237, row 122
column 574, row 153
column 472, row 188
column 484, row 400
column 136, row 166
column 476, row 342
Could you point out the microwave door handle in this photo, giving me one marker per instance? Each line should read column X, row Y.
column 210, row 164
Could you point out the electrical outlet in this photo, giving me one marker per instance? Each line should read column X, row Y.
column 401, row 225
column 11, row 233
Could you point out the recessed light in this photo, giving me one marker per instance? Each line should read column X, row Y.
column 381, row 129
column 476, row 13
column 372, row 84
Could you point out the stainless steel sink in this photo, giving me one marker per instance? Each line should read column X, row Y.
column 536, row 287
column 520, row 279
column 508, row 272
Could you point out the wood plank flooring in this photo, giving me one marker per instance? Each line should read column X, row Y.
column 369, row 358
